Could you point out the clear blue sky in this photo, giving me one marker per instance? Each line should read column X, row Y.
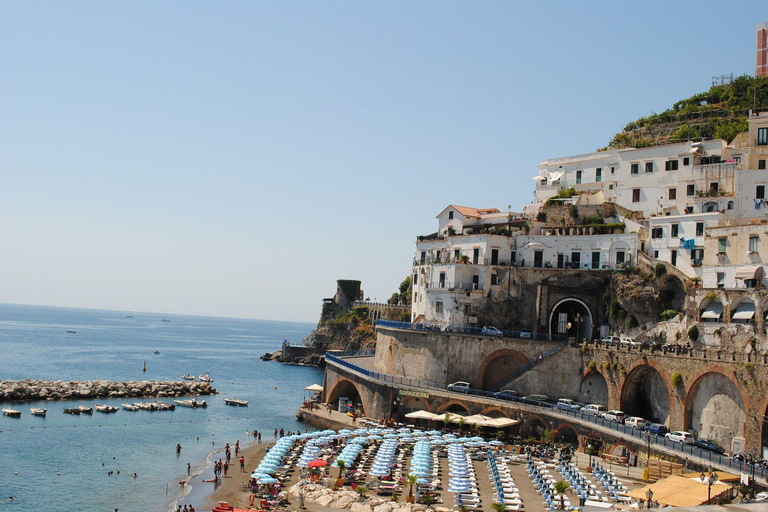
column 236, row 158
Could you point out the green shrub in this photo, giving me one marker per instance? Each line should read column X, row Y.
column 676, row 379
column 668, row 314
column 573, row 211
column 711, row 296
column 749, row 366
column 693, row 333
column 592, row 366
column 660, row 270
column 632, row 322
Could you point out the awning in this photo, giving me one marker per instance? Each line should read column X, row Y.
column 499, row 422
column 713, row 311
column 314, row 387
column 422, row 415
column 539, row 178
column 744, row 311
column 751, row 272
column 535, row 245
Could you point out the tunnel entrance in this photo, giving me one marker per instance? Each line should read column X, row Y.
column 571, row 318
column 645, row 394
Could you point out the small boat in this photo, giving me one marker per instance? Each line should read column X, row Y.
column 72, row 332
column 145, row 405
column 130, row 407
column 73, row 411
column 236, row 401
column 38, row 412
column 128, row 316
column 157, row 351
column 188, row 377
column 223, row 506
column 192, row 403
column 105, row 408
column 166, row 320
column 85, row 409
column 206, row 377
column 13, row 413
column 163, row 406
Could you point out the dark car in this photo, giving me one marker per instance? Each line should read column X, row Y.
column 709, row 445
column 656, row 428
column 536, row 399
column 506, row 394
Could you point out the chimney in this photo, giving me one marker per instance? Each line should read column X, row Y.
column 761, row 65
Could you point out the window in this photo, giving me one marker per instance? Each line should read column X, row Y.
column 495, row 279
column 760, row 192
column 697, row 256
column 714, row 186
column 475, row 256
column 671, row 165
column 635, row 195
column 415, row 297
column 689, row 209
column 721, row 279
column 761, row 164
column 699, row 229
column 753, row 243
column 634, row 168
column 730, row 205
column 442, row 280
column 690, row 189
column 578, row 177
column 439, row 256
column 620, row 257
column 456, row 254
column 675, row 230
column 415, row 279
column 599, row 174
column 721, row 242
column 423, row 257
column 513, row 257
column 672, row 194
column 450, row 215
column 613, row 170
column 648, row 166
column 687, row 160
column 762, row 136
column 657, row 233
column 438, row 308
column 656, row 254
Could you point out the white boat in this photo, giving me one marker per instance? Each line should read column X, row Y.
column 105, row 408
column 163, row 406
column 130, row 407
column 38, row 412
column 85, row 409
column 192, row 403
column 145, row 405
column 13, row 413
column 236, row 401
column 206, row 377
column 188, row 377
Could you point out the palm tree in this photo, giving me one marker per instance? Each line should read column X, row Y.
column 342, row 464
column 411, row 480
column 561, row 487
column 498, row 507
column 446, row 419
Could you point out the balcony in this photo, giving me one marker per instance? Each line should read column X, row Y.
column 449, row 286
column 446, row 260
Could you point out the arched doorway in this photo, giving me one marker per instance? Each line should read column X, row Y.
column 571, row 318
column 714, row 409
column 594, row 389
column 499, row 365
column 646, row 394
column 567, row 434
column 346, row 390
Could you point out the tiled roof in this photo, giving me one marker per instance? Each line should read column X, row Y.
column 473, row 212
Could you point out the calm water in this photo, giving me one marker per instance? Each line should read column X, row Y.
column 63, row 461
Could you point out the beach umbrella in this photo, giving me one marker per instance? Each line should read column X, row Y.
column 317, row 463
column 267, row 480
column 422, row 481
column 259, row 475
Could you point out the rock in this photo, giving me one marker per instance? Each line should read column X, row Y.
column 324, row 500
column 384, row 507
column 360, row 506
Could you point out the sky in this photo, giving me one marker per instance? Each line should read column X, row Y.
column 236, row 158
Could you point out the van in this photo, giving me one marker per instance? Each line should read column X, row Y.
column 595, row 409
column 635, row 422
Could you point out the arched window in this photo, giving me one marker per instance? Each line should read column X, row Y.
column 730, row 205
column 709, row 207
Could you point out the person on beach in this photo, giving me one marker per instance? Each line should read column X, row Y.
column 282, row 433
column 259, row 437
column 189, row 469
column 275, row 433
column 237, row 447
column 178, row 449
column 226, row 467
column 242, row 464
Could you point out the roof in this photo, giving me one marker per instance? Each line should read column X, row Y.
column 468, row 211
column 713, row 310
column 679, row 491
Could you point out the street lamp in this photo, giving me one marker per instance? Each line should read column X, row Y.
column 649, row 495
column 709, row 480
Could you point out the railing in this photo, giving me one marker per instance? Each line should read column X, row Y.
column 640, row 435
column 462, row 329
column 447, row 260
column 447, row 285
column 354, row 353
column 529, row 365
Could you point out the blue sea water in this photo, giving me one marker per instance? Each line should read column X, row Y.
column 61, row 462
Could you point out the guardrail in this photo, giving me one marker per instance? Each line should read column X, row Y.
column 461, row 329
column 641, row 435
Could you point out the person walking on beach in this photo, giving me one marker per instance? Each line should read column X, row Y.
column 259, row 437
column 178, row 449
column 242, row 464
column 237, row 447
column 275, row 433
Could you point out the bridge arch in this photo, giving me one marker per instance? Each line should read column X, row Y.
column 499, row 364
column 568, row 433
column 414, row 403
column 574, row 312
column 453, row 406
column 349, row 389
column 533, row 425
column 715, row 407
column 647, row 392
column 594, row 388
column 498, row 413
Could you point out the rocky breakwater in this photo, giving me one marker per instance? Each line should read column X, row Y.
column 27, row 389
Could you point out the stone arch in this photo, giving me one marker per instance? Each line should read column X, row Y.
column 715, row 407
column 493, row 409
column 565, row 312
column 451, row 406
column 594, row 388
column 621, row 449
column 414, row 403
column 647, row 392
column 568, row 433
column 671, row 293
column 534, row 425
column 349, row 389
column 497, row 365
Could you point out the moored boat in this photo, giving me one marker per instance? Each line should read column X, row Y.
column 130, row 407
column 72, row 411
column 145, row 405
column 13, row 413
column 206, row 377
column 192, row 403
column 236, row 401
column 85, row 409
column 105, row 408
column 38, row 412
column 163, row 406
column 188, row 377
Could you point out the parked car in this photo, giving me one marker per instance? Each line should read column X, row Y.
column 635, row 422
column 535, row 398
column 709, row 445
column 595, row 409
column 617, row 416
column 626, row 340
column 506, row 394
column 566, row 404
column 681, row 437
column 526, row 334
column 656, row 428
column 460, row 386
column 490, row 330
column 611, row 339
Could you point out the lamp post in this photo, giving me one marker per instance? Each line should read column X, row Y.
column 649, row 495
column 709, row 480
column 578, row 320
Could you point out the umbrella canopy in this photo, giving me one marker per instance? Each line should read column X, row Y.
column 422, row 415
column 314, row 387
column 317, row 463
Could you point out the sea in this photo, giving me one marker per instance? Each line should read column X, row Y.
column 87, row 463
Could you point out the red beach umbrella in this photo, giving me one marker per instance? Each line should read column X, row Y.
column 317, row 463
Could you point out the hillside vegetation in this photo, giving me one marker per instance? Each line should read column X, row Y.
column 720, row 113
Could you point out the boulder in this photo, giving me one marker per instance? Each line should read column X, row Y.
column 360, row 506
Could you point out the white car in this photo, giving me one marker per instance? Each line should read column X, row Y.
column 617, row 416
column 611, row 340
column 460, row 386
column 595, row 409
column 629, row 341
column 635, row 422
column 681, row 437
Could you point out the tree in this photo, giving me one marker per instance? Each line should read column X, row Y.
column 561, row 487
column 405, row 291
column 411, row 481
column 361, row 490
column 342, row 464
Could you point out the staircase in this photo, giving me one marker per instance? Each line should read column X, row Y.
column 528, row 366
